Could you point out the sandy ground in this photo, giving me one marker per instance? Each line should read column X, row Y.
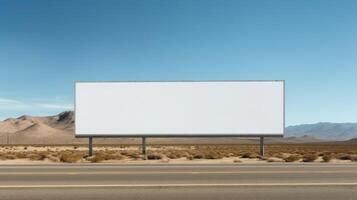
column 165, row 161
column 5, row 150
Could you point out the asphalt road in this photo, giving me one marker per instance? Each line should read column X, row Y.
column 236, row 181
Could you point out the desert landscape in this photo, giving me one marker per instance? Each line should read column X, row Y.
column 50, row 139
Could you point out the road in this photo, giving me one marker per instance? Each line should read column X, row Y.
column 236, row 181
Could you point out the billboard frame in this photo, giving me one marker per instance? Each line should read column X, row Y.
column 143, row 145
column 180, row 135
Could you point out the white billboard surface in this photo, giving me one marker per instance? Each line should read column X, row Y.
column 211, row 108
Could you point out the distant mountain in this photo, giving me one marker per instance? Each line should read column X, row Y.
column 57, row 129
column 324, row 130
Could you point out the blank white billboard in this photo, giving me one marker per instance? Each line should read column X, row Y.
column 202, row 108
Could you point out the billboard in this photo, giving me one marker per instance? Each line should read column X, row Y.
column 179, row 108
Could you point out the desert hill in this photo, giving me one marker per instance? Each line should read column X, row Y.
column 56, row 129
column 324, row 130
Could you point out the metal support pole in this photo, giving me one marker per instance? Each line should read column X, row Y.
column 261, row 146
column 143, row 146
column 90, row 146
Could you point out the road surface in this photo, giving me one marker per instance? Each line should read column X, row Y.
column 236, row 181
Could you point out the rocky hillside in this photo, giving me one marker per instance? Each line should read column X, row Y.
column 38, row 130
column 324, row 130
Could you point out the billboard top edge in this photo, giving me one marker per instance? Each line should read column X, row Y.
column 153, row 81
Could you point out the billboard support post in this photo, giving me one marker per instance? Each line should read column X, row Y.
column 90, row 146
column 143, row 146
column 261, row 150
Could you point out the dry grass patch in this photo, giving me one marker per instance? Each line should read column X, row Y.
column 175, row 154
column 309, row 158
column 71, row 157
column 154, row 156
column 105, row 155
column 21, row 155
column 53, row 158
column 249, row 155
column 36, row 156
column 198, row 156
column 291, row 158
column 344, row 156
column 213, row 155
column 7, row 156
column 327, row 157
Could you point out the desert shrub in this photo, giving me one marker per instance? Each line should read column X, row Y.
column 53, row 158
column 212, row 155
column 237, row 161
column 246, row 155
column 249, row 155
column 327, row 157
column 105, row 155
column 172, row 155
column 321, row 154
column 309, row 158
column 71, row 157
column 36, row 156
column 292, row 158
column 21, row 155
column 198, row 156
column 344, row 156
column 10, row 156
column 154, row 156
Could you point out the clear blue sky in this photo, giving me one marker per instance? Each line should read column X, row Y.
column 46, row 45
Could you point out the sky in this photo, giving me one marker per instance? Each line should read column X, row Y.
column 45, row 46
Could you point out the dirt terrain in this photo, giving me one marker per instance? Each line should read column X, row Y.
column 240, row 153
